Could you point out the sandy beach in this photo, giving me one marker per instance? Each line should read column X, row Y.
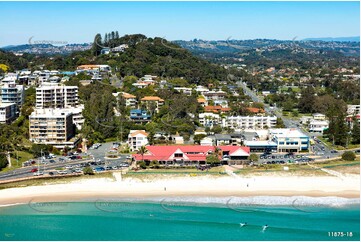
column 266, row 185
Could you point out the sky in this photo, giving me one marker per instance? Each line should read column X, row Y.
column 79, row 22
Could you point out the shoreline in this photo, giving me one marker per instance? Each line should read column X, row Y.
column 100, row 188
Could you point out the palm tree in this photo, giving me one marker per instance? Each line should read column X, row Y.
column 142, row 150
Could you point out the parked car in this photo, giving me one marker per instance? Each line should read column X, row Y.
column 34, row 170
column 38, row 173
column 62, row 172
column 334, row 151
column 51, row 173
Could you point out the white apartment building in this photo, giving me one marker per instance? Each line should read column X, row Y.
column 7, row 112
column 249, row 122
column 12, row 93
column 289, row 140
column 53, row 127
column 209, row 119
column 353, row 109
column 53, row 95
column 9, row 78
column 318, row 126
column 137, row 139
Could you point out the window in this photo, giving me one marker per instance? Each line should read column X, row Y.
column 178, row 155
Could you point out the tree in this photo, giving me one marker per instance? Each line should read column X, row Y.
column 198, row 137
column 142, row 150
column 88, row 171
column 307, row 100
column 349, row 156
column 97, row 45
column 253, row 157
column 3, row 161
column 355, row 132
column 280, row 123
column 212, row 159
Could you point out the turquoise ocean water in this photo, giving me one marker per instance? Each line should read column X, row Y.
column 169, row 219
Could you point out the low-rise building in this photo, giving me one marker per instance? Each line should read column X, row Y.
column 318, row 126
column 249, row 122
column 137, row 139
column 186, row 155
column 7, row 112
column 139, row 115
column 215, row 95
column 289, row 140
column 216, row 109
column 152, row 103
column 319, row 116
column 222, row 139
column 261, row 145
column 52, row 127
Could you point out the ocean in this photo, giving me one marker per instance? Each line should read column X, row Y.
column 288, row 218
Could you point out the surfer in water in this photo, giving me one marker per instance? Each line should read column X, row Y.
column 264, row 227
column 242, row 224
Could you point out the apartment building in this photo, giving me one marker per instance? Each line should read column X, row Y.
column 53, row 127
column 137, row 139
column 209, row 119
column 249, row 122
column 12, row 93
column 53, row 95
column 7, row 112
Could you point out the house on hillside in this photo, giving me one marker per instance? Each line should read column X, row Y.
column 137, row 139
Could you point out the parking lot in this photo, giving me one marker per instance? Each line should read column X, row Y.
column 283, row 158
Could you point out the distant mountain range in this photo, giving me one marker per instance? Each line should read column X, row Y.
column 347, row 45
column 341, row 39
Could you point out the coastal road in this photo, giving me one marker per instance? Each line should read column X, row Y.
column 289, row 123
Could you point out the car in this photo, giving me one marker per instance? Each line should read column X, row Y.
column 273, row 162
column 34, row 170
column 323, row 148
column 107, row 168
column 357, row 151
column 52, row 161
column 269, row 157
column 320, row 153
column 261, row 157
column 78, row 170
column 61, row 159
column 268, row 162
column 69, row 167
column 129, row 157
column 62, row 172
column 51, row 173
column 273, row 157
column 38, row 173
column 115, row 168
column 334, row 151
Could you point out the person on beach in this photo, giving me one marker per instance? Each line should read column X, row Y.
column 165, row 189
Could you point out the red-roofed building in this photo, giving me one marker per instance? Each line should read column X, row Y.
column 256, row 110
column 190, row 154
column 216, row 109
